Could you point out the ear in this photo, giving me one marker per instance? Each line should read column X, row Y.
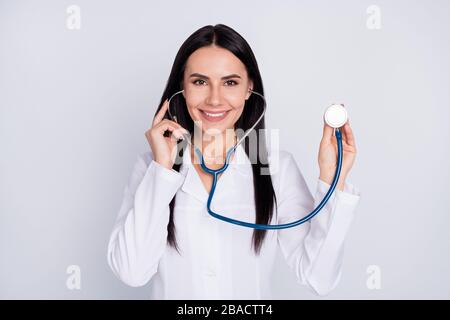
column 250, row 87
column 182, row 88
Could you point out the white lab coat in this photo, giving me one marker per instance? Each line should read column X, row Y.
column 216, row 260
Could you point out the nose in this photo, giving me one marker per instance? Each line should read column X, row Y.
column 214, row 97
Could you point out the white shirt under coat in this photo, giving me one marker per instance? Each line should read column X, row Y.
column 216, row 260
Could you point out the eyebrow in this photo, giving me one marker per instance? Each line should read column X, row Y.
column 234, row 75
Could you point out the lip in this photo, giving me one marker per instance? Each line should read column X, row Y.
column 213, row 118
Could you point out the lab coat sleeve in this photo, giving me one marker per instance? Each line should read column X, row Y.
column 139, row 236
column 314, row 250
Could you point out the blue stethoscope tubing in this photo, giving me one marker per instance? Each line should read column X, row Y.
column 215, row 173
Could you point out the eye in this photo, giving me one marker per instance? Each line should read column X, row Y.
column 196, row 82
column 231, row 83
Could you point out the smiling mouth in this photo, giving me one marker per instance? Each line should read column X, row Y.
column 214, row 116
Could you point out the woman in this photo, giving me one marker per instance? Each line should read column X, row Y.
column 163, row 230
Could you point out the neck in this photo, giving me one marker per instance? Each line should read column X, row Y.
column 214, row 148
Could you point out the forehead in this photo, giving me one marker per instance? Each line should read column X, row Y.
column 214, row 62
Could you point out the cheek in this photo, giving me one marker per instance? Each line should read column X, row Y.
column 238, row 105
column 192, row 105
column 238, row 112
column 193, row 112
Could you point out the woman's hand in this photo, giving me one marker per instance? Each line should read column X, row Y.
column 328, row 152
column 164, row 148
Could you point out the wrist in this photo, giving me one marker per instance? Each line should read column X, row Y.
column 329, row 180
column 164, row 164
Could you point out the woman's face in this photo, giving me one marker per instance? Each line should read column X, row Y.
column 216, row 85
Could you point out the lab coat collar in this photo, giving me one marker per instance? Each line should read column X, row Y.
column 240, row 163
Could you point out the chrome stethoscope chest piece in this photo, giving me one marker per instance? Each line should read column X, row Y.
column 335, row 116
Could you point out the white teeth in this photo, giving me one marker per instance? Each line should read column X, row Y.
column 214, row 114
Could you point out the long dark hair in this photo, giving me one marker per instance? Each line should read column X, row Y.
column 227, row 38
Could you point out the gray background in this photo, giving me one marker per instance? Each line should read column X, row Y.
column 75, row 105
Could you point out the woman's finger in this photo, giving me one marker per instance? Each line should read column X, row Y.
column 170, row 125
column 327, row 132
column 160, row 115
column 349, row 137
column 175, row 124
column 175, row 131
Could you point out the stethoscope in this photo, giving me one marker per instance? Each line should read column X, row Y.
column 335, row 116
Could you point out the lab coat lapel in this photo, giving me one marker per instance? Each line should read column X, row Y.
column 192, row 183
